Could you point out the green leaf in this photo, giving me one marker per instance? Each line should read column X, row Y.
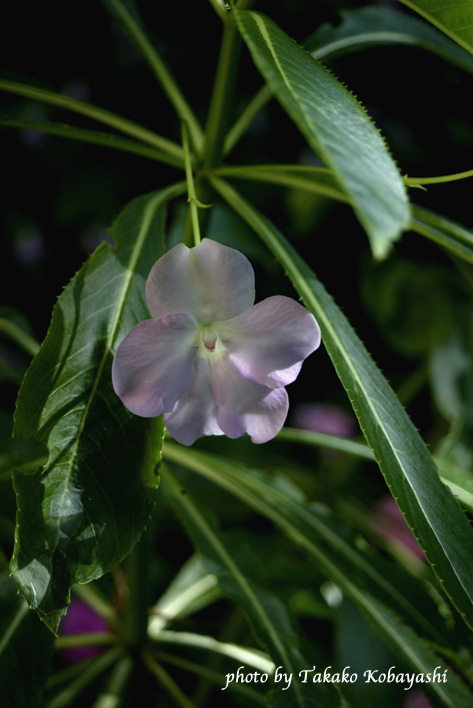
column 402, row 616
column 452, row 236
column 377, row 26
column 95, row 137
column 335, row 126
column 453, row 18
column 96, row 113
column 266, row 612
column 431, row 511
column 84, row 512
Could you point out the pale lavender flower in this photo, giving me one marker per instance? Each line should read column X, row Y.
column 210, row 360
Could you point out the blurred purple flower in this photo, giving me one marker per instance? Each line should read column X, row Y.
column 210, row 360
column 391, row 524
column 81, row 619
column 324, row 418
column 417, row 700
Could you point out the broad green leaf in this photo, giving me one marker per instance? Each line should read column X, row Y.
column 335, row 126
column 431, row 511
column 400, row 621
column 377, row 26
column 266, row 612
column 25, row 650
column 453, row 18
column 85, row 510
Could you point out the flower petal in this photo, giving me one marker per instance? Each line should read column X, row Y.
column 268, row 342
column 155, row 364
column 244, row 406
column 210, row 281
column 194, row 414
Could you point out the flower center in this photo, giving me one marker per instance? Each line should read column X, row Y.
column 209, row 343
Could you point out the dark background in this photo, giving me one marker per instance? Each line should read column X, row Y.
column 59, row 196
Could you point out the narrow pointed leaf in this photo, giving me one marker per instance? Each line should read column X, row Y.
column 378, row 26
column 335, row 126
column 446, row 233
column 266, row 612
column 431, row 510
column 453, row 18
column 399, row 621
column 85, row 510
column 95, row 137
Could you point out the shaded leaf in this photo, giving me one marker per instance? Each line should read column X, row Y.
column 83, row 513
column 266, row 612
column 25, row 650
column 378, row 26
column 402, row 615
column 335, row 126
column 432, row 512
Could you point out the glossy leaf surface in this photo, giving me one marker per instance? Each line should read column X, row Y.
column 335, row 125
column 431, row 511
column 88, row 506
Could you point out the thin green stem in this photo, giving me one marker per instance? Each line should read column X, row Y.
column 135, row 621
column 222, row 95
column 85, row 639
column 210, row 675
column 318, row 180
column 99, row 114
column 166, row 681
column 19, row 336
column 192, row 197
column 94, row 137
column 162, row 73
column 95, row 600
column 100, row 665
column 332, row 442
column 418, row 181
column 246, row 117
column 220, row 8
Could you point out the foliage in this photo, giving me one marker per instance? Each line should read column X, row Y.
column 229, row 573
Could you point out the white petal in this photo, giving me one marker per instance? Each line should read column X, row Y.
column 268, row 342
column 210, row 281
column 245, row 406
column 194, row 414
column 155, row 364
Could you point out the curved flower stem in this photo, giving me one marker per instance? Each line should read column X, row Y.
column 192, row 197
column 99, row 114
column 162, row 73
column 418, row 181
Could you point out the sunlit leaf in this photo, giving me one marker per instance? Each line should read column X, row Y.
column 431, row 511
column 86, row 509
column 335, row 126
column 453, row 18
